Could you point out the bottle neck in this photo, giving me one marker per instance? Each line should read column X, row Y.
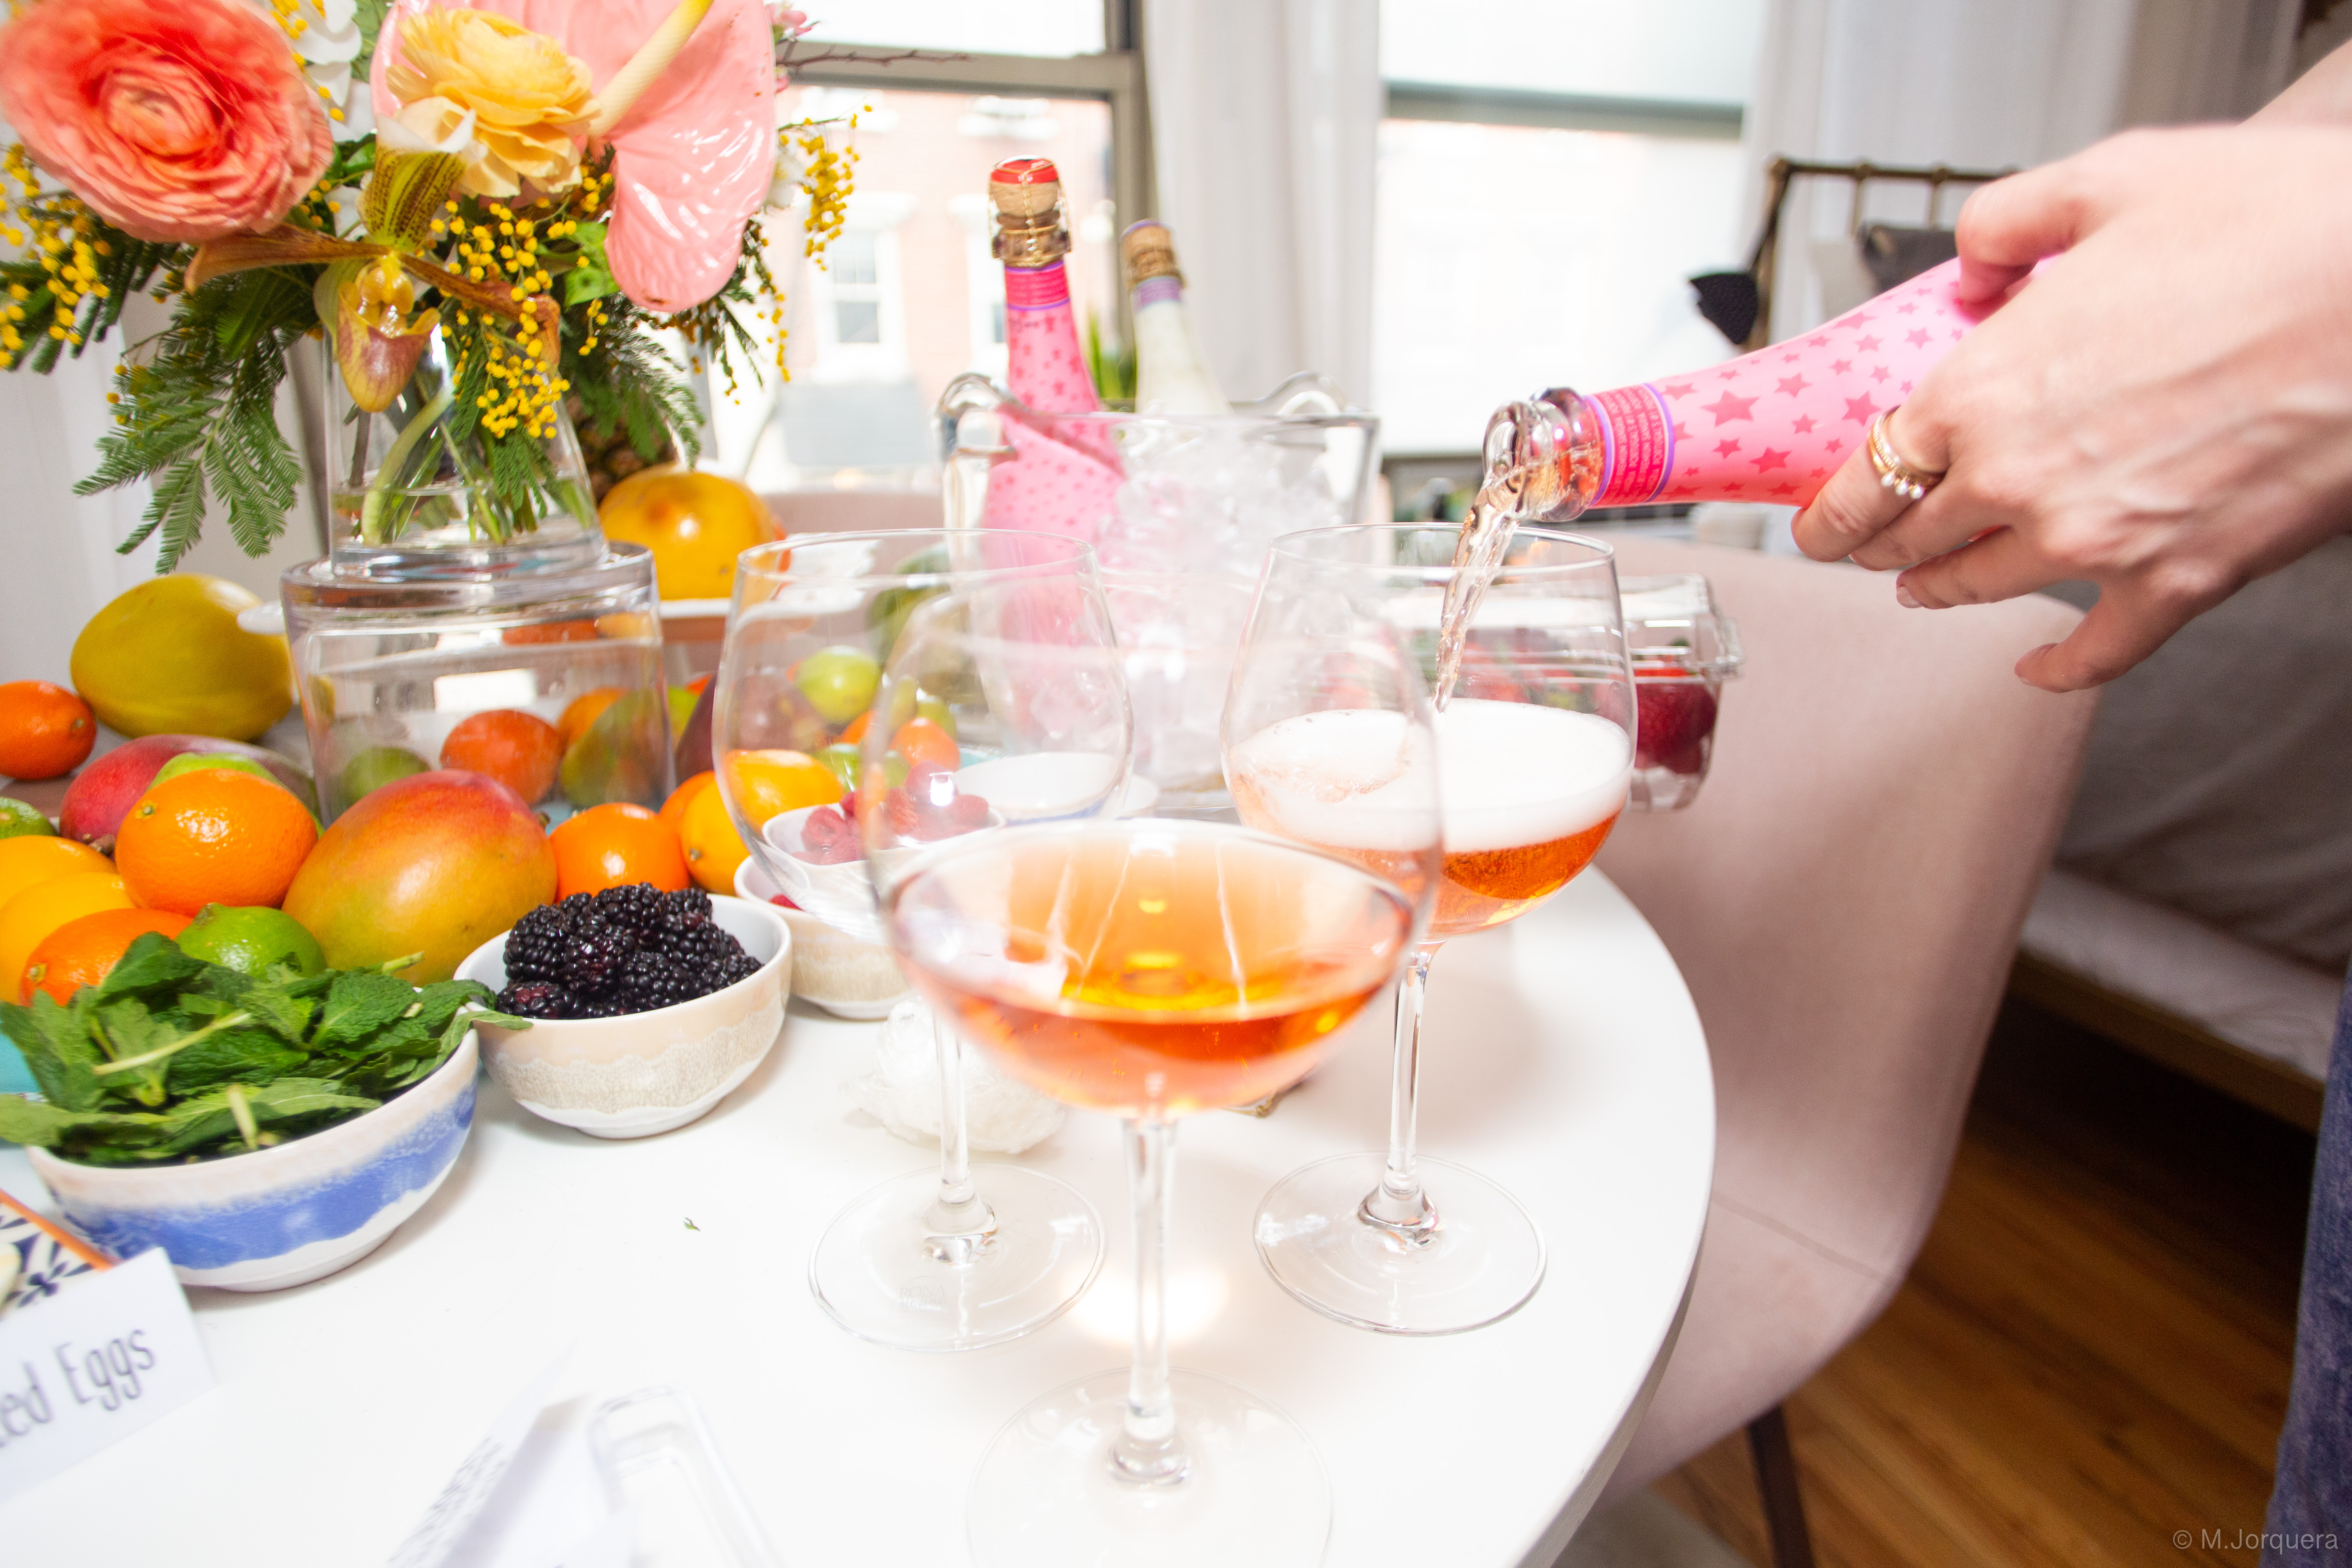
column 1157, row 291
column 1045, row 287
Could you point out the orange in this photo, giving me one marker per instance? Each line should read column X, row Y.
column 519, row 750
column 583, row 712
column 30, row 861
column 920, row 741
column 45, row 730
column 215, row 836
column 26, row 920
column 613, row 845
column 768, row 783
column 713, row 849
column 673, row 810
column 81, row 952
column 854, row 732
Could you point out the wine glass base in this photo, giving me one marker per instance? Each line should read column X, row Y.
column 1480, row 1265
column 1255, row 1494
column 873, row 1275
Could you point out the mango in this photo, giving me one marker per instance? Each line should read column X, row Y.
column 625, row 755
column 436, row 864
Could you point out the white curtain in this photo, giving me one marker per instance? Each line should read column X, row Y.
column 1981, row 84
column 1265, row 126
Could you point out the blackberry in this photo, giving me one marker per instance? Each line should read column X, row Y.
column 534, row 999
column 535, row 946
column 638, row 907
column 653, row 981
column 594, row 954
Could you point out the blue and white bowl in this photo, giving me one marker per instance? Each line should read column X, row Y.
column 285, row 1215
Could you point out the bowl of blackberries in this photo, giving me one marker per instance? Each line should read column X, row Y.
column 646, row 1007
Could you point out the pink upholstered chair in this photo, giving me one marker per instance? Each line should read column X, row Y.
column 1843, row 899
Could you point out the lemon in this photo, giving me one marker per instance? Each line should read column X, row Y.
column 695, row 523
column 168, row 657
column 250, row 940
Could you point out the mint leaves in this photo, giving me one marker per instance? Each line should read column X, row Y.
column 174, row 1059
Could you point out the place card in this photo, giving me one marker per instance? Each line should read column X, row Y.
column 106, row 1353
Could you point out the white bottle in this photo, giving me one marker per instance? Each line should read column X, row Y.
column 1171, row 377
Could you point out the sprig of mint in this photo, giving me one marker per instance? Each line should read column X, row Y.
column 174, row 1059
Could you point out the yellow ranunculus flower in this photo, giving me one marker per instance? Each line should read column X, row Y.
column 527, row 96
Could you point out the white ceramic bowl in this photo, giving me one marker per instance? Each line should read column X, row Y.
column 846, row 977
column 644, row 1073
column 285, row 1215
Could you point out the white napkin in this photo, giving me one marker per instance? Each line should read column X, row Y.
column 1002, row 1115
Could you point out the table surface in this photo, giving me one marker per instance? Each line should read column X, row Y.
column 1564, row 1058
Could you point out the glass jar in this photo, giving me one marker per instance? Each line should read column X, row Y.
column 387, row 668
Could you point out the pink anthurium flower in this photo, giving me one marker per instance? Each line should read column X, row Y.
column 693, row 155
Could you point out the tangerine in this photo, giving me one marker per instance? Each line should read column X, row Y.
column 582, row 711
column 81, row 952
column 218, row 837
column 921, row 741
column 674, row 809
column 519, row 750
column 45, row 730
column 768, row 783
column 714, row 850
column 26, row 920
column 612, row 844
column 852, row 733
column 32, row 859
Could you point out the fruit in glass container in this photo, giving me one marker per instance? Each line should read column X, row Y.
column 45, row 730
column 623, row 755
column 1676, row 716
column 105, row 789
column 695, row 523
column 81, row 952
column 437, row 865
column 582, row 711
column 168, row 657
column 376, row 767
column 26, row 920
column 250, row 940
column 839, row 681
column 213, row 837
column 612, row 845
column 519, row 750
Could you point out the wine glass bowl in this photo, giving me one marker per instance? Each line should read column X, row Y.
column 1529, row 761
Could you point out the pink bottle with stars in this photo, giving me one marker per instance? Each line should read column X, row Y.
column 1770, row 426
column 1065, row 474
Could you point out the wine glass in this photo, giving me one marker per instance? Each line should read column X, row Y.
column 1534, row 751
column 945, row 1259
column 1147, row 967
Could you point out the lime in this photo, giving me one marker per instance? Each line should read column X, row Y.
column 841, row 761
column 376, row 767
column 20, row 820
column 250, row 940
column 839, row 682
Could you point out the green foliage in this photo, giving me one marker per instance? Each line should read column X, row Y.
column 1113, row 372
column 171, row 1058
column 629, row 380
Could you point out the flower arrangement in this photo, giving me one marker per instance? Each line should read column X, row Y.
column 484, row 207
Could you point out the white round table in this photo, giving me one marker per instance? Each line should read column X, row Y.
column 1565, row 1060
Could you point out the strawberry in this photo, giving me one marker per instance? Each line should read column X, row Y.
column 1676, row 717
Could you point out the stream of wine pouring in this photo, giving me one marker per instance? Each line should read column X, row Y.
column 1532, row 472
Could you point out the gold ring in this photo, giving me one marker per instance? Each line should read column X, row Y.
column 1893, row 473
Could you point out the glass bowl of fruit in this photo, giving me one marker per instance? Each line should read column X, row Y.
column 1684, row 648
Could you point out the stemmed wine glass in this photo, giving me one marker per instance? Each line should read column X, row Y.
column 957, row 1258
column 1147, row 967
column 1534, row 750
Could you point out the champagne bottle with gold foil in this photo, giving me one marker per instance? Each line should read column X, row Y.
column 1044, row 366
column 1172, row 376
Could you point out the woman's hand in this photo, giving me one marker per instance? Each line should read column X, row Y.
column 2165, row 409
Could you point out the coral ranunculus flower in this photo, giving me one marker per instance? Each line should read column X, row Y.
column 532, row 101
column 175, row 119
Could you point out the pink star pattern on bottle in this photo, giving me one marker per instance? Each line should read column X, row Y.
column 1799, row 404
column 1065, row 477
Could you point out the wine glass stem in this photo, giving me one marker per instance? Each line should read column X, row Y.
column 1398, row 1204
column 1148, row 1451
column 960, row 1222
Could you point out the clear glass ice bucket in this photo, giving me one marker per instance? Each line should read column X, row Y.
column 1684, row 648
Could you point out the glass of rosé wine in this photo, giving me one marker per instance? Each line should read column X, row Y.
column 959, row 1257
column 1148, row 967
column 1532, row 755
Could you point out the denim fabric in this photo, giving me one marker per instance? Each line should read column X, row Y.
column 2310, row 1516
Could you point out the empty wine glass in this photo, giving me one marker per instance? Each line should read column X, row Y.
column 1148, row 967
column 1532, row 758
column 960, row 1256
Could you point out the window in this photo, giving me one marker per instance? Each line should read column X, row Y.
column 1549, row 178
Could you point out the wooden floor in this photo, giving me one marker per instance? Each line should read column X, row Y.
column 2091, row 1353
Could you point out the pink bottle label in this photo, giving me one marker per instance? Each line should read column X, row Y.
column 1773, row 426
